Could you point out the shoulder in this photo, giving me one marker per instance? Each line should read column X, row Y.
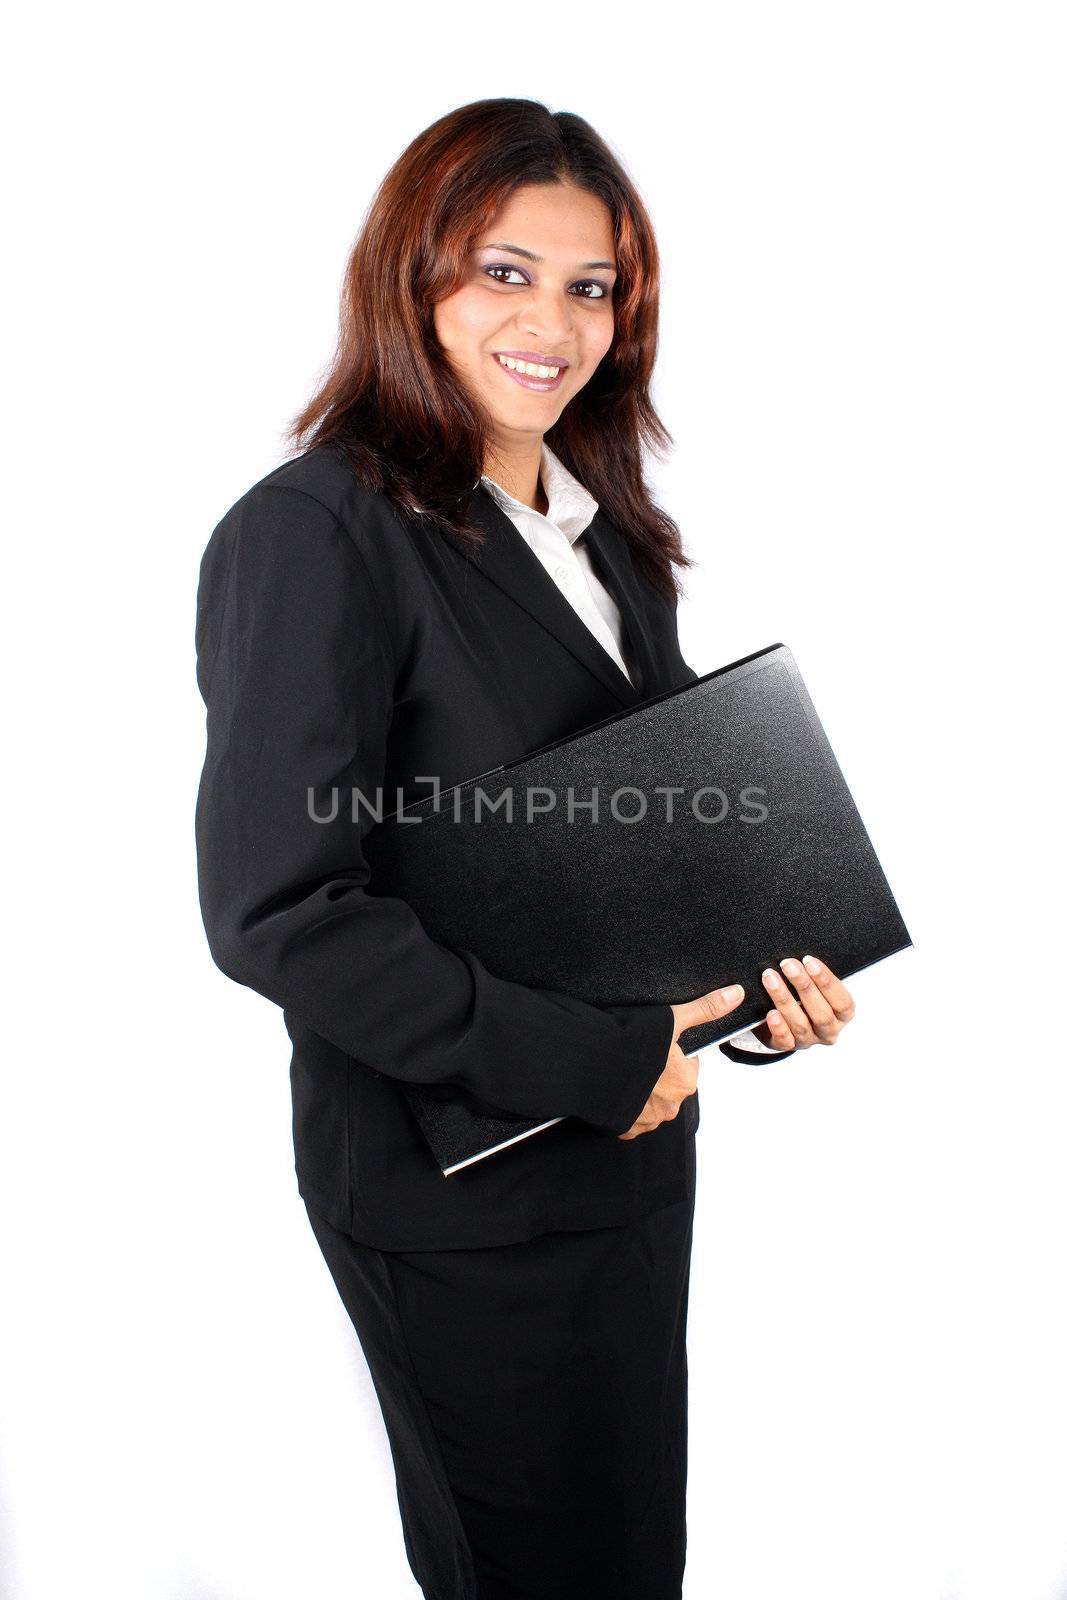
column 310, row 501
column 309, row 533
column 324, row 476
column 285, row 564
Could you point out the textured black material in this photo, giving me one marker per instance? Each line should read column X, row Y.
column 339, row 648
column 558, row 1365
column 651, row 910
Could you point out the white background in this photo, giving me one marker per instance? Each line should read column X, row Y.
column 861, row 214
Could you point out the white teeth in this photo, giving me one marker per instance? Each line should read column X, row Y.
column 529, row 367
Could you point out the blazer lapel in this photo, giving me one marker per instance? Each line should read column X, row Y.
column 507, row 560
column 611, row 557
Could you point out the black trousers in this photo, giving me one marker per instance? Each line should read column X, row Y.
column 535, row 1399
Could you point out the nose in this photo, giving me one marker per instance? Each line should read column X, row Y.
column 548, row 318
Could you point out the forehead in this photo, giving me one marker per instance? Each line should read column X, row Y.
column 554, row 220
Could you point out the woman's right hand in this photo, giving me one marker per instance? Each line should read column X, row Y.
column 678, row 1079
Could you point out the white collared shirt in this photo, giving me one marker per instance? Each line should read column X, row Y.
column 554, row 540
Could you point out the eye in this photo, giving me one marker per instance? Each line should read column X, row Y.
column 600, row 290
column 501, row 267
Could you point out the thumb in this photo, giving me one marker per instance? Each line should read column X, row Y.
column 707, row 1007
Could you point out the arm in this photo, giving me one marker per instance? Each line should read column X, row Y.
column 296, row 668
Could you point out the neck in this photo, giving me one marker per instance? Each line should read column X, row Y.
column 517, row 469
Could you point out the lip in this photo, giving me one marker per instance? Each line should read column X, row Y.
column 544, row 385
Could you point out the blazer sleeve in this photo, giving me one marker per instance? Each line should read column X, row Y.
column 734, row 1049
column 296, row 667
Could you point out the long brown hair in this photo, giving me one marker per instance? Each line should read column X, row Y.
column 390, row 398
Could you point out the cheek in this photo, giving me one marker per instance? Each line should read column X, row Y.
column 595, row 343
column 462, row 321
column 598, row 335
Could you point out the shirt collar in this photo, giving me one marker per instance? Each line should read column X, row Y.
column 571, row 508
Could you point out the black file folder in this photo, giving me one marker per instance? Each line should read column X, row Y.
column 724, row 839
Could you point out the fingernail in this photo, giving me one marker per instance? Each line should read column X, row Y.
column 792, row 967
column 772, row 1016
column 770, row 975
column 734, row 992
column 812, row 965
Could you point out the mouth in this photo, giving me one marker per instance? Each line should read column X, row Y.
column 532, row 371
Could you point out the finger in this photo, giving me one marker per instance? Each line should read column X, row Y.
column 706, row 1007
column 796, row 1018
column 639, row 1127
column 843, row 1005
column 823, row 1018
column 780, row 1036
column 644, row 1124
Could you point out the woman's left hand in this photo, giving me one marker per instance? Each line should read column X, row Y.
column 814, row 1015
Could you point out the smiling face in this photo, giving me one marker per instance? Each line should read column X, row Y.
column 538, row 290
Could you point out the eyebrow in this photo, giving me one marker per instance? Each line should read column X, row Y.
column 517, row 250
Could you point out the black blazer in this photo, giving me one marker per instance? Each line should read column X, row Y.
column 339, row 650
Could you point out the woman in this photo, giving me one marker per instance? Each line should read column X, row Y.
column 429, row 589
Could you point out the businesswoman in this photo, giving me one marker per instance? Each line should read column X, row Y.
column 462, row 564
